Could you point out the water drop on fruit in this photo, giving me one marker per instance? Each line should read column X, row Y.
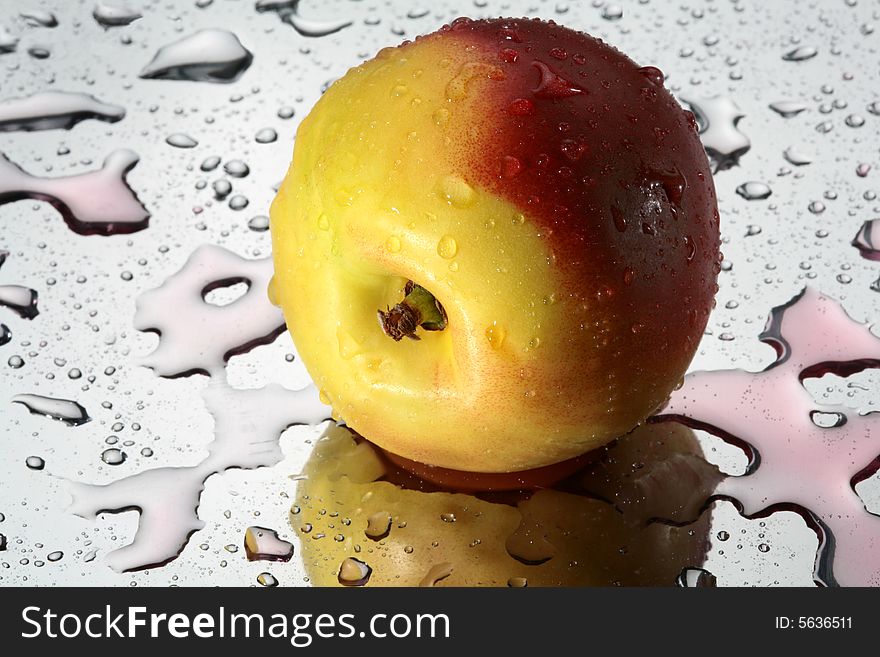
column 653, row 74
column 457, row 89
column 495, row 334
column 552, row 85
column 447, row 247
column 510, row 166
column 521, row 107
column 457, row 192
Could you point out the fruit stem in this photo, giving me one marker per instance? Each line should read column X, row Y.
column 418, row 308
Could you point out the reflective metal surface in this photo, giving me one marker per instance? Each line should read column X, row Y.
column 785, row 93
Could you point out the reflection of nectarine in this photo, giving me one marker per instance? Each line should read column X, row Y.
column 546, row 209
column 346, row 508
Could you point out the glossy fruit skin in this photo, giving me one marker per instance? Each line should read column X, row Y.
column 554, row 198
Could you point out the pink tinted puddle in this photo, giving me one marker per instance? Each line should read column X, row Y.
column 247, row 426
column 94, row 203
column 803, row 454
column 196, row 336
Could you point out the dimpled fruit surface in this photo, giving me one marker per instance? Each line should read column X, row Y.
column 553, row 198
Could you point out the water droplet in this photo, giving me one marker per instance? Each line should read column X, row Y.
column 39, row 52
column 181, row 140
column 39, row 18
column 457, row 192
column 517, row 582
column 236, row 168
column 65, row 410
column 447, row 517
column 57, row 555
column 267, row 579
column 447, row 247
column 521, row 107
column 552, row 85
column 816, row 207
column 787, row 108
column 74, row 373
column 863, row 169
column 653, row 74
column 796, row 157
column 113, row 456
column 354, row 572
column 754, row 191
column 263, row 544
column 52, row 110
column 286, row 112
column 258, row 223
column 288, row 12
column 612, row 12
column 15, row 362
column 211, row 55
column 854, row 121
column 210, row 163
column 828, row 420
column 800, row 54
column 238, row 202
column 435, row 574
column 510, row 166
column 266, row 136
column 392, row 244
column 696, row 578
column 8, row 43
column 457, row 88
column 495, row 334
column 865, row 240
column 114, row 15
column 723, row 535
column 20, row 300
column 378, row 525
column 35, row 463
column 718, row 119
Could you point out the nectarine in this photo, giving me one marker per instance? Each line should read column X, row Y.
column 533, row 206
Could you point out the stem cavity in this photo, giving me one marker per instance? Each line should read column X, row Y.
column 418, row 308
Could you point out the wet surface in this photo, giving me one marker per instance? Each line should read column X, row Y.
column 141, row 146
